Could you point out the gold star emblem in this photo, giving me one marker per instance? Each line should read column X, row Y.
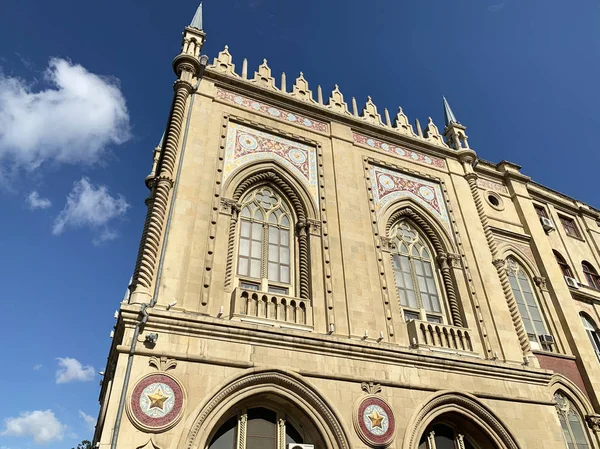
column 376, row 419
column 157, row 399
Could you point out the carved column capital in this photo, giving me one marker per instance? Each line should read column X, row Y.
column 301, row 227
column 442, row 260
column 540, row 281
column 230, row 206
column 386, row 243
column 313, row 226
column 471, row 176
column 593, row 422
column 454, row 260
column 500, row 264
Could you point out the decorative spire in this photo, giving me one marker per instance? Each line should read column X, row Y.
column 197, row 20
column 454, row 131
column 448, row 114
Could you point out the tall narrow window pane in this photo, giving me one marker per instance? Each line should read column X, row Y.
column 265, row 250
column 261, row 430
column 413, row 272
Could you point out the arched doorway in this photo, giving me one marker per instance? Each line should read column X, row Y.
column 452, row 431
column 264, row 423
column 270, row 407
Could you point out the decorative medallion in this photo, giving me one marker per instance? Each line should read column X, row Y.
column 246, row 145
column 390, row 185
column 374, row 421
column 156, row 402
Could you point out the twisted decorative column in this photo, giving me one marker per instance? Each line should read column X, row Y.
column 499, row 264
column 148, row 253
column 235, row 210
column 449, row 286
column 303, row 258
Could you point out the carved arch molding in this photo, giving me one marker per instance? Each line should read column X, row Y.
column 274, row 380
column 271, row 177
column 442, row 256
column 466, row 406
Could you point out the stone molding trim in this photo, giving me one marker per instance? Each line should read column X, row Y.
column 464, row 404
column 278, row 382
column 422, row 224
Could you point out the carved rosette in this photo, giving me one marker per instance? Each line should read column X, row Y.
column 156, row 402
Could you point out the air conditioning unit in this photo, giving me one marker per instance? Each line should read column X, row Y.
column 546, row 339
column 300, row 446
column 571, row 282
column 547, row 224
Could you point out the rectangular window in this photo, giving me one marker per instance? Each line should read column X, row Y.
column 409, row 316
column 278, row 290
column 541, row 211
column 250, row 251
column 404, row 282
column 569, row 226
column 249, row 285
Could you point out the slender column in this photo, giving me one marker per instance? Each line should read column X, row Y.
column 145, row 269
column 499, row 264
column 235, row 210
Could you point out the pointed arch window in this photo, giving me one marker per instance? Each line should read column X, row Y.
column 265, row 249
column 571, row 423
column 593, row 334
column 562, row 263
column 591, row 275
column 415, row 274
column 529, row 307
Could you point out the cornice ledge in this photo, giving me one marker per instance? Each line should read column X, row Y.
column 511, row 234
column 210, row 327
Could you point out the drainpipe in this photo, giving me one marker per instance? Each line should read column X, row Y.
column 145, row 307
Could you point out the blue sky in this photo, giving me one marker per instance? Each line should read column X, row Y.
column 85, row 89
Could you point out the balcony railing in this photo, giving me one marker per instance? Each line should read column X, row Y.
column 273, row 309
column 442, row 337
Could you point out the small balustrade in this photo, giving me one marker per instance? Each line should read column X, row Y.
column 269, row 308
column 437, row 335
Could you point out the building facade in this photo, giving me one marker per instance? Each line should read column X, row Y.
column 309, row 274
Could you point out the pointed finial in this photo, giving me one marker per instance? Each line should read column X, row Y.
column 245, row 69
column 448, row 114
column 162, row 138
column 388, row 121
column 283, row 82
column 354, row 107
column 319, row 95
column 419, row 130
column 197, row 20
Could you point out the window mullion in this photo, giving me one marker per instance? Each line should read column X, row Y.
column 241, row 435
column 281, row 433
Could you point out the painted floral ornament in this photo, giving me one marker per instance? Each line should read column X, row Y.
column 374, row 421
column 156, row 402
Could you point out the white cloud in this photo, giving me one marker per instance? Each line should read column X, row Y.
column 73, row 120
column 71, row 370
column 35, row 201
column 42, row 425
column 90, row 421
column 90, row 206
column 36, row 367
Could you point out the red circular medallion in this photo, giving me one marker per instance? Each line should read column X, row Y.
column 156, row 402
column 374, row 421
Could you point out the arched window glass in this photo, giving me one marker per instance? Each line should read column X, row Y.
column 593, row 334
column 529, row 308
column 451, row 436
column 562, row 263
column 591, row 275
column 415, row 275
column 571, row 423
column 256, row 428
column 265, row 242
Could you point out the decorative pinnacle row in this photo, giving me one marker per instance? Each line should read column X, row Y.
column 300, row 90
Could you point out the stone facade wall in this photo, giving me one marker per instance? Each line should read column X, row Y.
column 351, row 177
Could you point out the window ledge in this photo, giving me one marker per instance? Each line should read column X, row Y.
column 437, row 337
